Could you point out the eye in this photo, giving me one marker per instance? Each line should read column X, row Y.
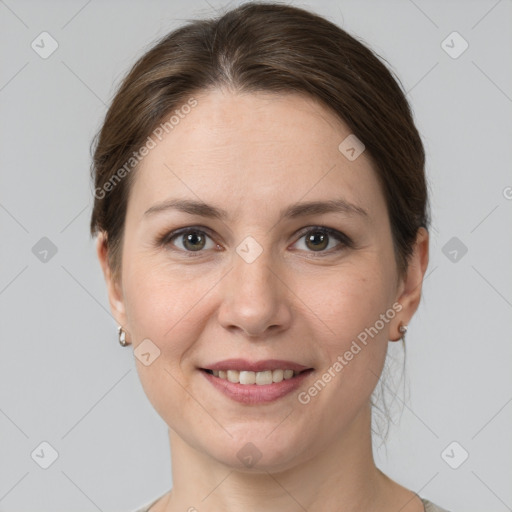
column 189, row 240
column 319, row 238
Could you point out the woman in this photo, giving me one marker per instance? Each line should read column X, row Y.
column 261, row 212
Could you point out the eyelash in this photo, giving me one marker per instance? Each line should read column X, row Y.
column 345, row 242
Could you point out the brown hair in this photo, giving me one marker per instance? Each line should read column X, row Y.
column 264, row 47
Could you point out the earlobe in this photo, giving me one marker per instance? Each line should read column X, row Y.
column 402, row 330
column 412, row 283
column 114, row 291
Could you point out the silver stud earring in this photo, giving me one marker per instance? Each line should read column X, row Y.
column 122, row 336
column 402, row 329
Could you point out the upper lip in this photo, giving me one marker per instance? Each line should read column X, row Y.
column 256, row 366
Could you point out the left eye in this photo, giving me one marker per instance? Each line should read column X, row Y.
column 319, row 239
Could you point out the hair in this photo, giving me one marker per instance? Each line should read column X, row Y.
column 264, row 47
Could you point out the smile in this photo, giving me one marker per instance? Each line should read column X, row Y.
column 262, row 378
column 253, row 388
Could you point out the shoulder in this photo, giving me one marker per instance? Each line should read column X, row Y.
column 143, row 509
column 432, row 507
column 147, row 507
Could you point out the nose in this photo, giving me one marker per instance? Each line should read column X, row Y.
column 255, row 299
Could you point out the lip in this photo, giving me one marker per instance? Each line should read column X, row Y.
column 255, row 366
column 253, row 394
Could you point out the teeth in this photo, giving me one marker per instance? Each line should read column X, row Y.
column 263, row 378
column 233, row 376
column 258, row 378
column 247, row 377
column 278, row 375
column 288, row 374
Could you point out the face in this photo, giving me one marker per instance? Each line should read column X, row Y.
column 264, row 279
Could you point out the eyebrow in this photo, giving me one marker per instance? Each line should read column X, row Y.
column 296, row 210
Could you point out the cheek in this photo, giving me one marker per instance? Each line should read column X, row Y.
column 169, row 304
column 347, row 301
column 165, row 306
column 354, row 314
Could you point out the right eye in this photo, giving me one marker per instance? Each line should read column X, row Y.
column 188, row 240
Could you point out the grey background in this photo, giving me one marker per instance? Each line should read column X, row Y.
column 65, row 380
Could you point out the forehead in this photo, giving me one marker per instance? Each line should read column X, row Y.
column 255, row 149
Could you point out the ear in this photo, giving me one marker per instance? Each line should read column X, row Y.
column 409, row 291
column 114, row 289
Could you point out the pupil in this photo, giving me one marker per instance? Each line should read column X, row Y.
column 192, row 239
column 321, row 239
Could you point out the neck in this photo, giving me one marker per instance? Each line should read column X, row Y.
column 342, row 477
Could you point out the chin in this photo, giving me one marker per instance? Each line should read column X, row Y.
column 255, row 451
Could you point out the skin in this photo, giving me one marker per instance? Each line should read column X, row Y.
column 254, row 154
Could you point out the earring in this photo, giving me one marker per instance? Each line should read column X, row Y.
column 122, row 336
column 402, row 329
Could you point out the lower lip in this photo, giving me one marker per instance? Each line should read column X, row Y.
column 254, row 393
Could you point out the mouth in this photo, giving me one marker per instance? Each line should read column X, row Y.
column 260, row 378
column 250, row 387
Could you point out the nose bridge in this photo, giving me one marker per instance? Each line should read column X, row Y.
column 254, row 276
column 252, row 281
